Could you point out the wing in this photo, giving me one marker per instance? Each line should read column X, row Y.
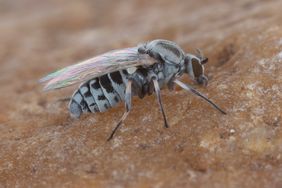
column 95, row 67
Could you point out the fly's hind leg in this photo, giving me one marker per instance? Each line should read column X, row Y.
column 128, row 96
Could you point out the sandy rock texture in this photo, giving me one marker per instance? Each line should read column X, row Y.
column 41, row 146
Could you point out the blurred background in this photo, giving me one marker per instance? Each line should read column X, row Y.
column 41, row 146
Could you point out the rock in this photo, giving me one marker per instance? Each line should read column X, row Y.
column 41, row 146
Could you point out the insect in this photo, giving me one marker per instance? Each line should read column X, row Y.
column 121, row 74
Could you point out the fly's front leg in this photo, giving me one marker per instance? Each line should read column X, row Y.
column 128, row 96
column 158, row 94
column 195, row 92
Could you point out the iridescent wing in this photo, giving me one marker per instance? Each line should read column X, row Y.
column 95, row 67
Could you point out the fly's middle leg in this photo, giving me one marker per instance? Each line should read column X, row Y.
column 158, row 94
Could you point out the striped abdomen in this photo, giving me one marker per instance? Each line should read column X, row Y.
column 99, row 94
column 102, row 93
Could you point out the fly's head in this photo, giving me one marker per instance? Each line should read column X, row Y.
column 194, row 66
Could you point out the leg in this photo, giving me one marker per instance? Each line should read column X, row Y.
column 127, row 108
column 158, row 93
column 194, row 91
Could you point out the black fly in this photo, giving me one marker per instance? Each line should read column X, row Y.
column 118, row 75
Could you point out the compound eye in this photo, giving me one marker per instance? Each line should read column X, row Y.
column 197, row 68
column 204, row 61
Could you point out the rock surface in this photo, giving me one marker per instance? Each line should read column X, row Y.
column 41, row 146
